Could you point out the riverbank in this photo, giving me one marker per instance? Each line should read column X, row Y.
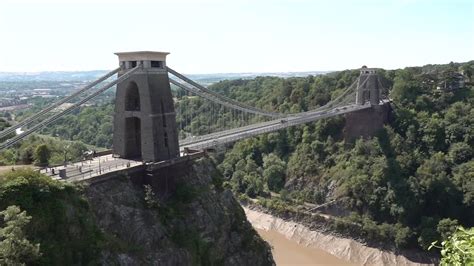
column 343, row 248
column 287, row 252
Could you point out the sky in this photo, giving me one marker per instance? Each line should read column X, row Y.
column 220, row 36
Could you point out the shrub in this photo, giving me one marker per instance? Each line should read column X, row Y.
column 457, row 249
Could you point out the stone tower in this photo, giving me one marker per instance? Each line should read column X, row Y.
column 368, row 87
column 144, row 119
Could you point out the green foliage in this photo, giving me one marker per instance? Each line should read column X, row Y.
column 61, row 221
column 200, row 249
column 405, row 88
column 460, row 152
column 8, row 157
column 43, row 150
column 4, row 124
column 150, row 198
column 275, row 204
column 416, row 175
column 15, row 248
column 91, row 125
column 185, row 193
column 175, row 206
column 446, row 227
column 274, row 172
column 464, row 179
column 458, row 248
column 42, row 154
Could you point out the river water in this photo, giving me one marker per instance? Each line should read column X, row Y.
column 296, row 244
column 288, row 252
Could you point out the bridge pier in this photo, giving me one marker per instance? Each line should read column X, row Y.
column 367, row 122
column 368, row 87
column 145, row 119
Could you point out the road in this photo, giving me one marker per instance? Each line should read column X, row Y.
column 90, row 168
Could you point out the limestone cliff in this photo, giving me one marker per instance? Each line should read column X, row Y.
column 178, row 216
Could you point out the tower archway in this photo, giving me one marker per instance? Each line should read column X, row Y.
column 144, row 118
column 133, row 142
column 132, row 97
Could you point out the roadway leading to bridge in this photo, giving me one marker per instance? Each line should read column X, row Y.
column 90, row 168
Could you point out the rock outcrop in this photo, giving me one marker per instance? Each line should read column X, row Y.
column 178, row 216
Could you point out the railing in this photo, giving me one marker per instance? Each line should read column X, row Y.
column 91, row 168
column 232, row 136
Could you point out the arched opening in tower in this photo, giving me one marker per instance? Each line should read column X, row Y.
column 132, row 97
column 366, row 95
column 133, row 143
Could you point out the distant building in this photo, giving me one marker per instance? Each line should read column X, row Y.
column 14, row 101
column 63, row 107
column 452, row 81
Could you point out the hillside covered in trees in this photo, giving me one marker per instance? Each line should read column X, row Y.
column 409, row 185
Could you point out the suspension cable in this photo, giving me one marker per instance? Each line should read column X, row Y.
column 30, row 119
column 231, row 103
column 68, row 110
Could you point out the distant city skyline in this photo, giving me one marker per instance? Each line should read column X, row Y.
column 235, row 36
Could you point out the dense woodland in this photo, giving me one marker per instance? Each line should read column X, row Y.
column 409, row 185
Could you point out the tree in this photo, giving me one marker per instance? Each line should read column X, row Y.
column 457, row 249
column 468, row 70
column 460, row 152
column 42, row 154
column 446, row 227
column 275, row 177
column 15, row 248
column 26, row 155
column 422, row 167
column 428, row 232
column 405, row 89
column 434, row 188
column 464, row 179
column 9, row 157
column 272, row 159
column 3, row 124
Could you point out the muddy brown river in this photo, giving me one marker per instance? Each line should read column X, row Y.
column 296, row 244
column 288, row 252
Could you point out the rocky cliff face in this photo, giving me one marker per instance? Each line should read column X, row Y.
column 179, row 216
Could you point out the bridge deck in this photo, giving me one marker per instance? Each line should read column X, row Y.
column 106, row 164
column 236, row 134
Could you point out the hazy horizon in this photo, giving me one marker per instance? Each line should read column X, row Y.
column 224, row 73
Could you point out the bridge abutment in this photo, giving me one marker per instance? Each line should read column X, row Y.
column 367, row 122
